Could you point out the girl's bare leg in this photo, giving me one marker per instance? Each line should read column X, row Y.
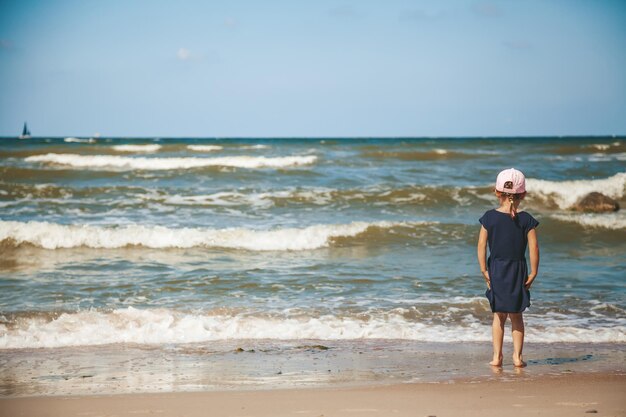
column 517, row 327
column 497, row 331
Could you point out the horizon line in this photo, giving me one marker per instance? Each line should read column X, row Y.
column 622, row 135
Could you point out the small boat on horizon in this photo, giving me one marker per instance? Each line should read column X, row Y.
column 25, row 132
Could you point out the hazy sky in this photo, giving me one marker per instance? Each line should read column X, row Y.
column 313, row 68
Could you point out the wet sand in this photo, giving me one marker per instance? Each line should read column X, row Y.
column 599, row 394
column 267, row 365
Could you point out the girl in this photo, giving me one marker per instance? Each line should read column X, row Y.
column 508, row 232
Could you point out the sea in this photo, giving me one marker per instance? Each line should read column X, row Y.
column 169, row 264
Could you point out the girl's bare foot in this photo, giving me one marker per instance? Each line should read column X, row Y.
column 497, row 361
column 518, row 362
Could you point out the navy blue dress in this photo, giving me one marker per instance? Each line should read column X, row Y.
column 507, row 267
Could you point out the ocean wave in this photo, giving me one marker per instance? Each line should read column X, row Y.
column 426, row 155
column 56, row 236
column 607, row 157
column 601, row 146
column 566, row 193
column 142, row 163
column 46, row 192
column 258, row 146
column 223, row 198
column 585, row 148
column 137, row 148
column 77, row 140
column 613, row 221
column 265, row 199
column 163, row 326
column 204, row 148
column 322, row 196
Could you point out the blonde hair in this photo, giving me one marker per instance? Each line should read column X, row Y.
column 512, row 199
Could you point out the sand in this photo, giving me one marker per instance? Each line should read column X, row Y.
column 599, row 394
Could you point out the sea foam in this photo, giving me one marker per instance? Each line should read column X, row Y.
column 142, row 163
column 204, row 148
column 78, row 140
column 566, row 193
column 55, row 236
column 163, row 326
column 137, row 148
column 258, row 146
column 614, row 221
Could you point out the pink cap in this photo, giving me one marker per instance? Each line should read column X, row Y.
column 511, row 181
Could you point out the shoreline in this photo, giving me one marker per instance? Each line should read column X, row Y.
column 598, row 393
column 242, row 365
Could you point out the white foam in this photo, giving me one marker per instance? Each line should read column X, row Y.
column 137, row 148
column 440, row 151
column 614, row 221
column 224, row 198
column 204, row 148
column 603, row 157
column 165, row 326
column 77, row 140
column 142, row 163
column 311, row 195
column 260, row 200
column 259, row 146
column 162, row 326
column 55, row 236
column 566, row 193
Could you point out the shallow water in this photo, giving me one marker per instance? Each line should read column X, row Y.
column 265, row 364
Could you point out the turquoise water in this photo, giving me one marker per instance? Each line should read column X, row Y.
column 175, row 241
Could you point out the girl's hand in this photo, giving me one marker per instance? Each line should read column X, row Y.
column 529, row 281
column 487, row 279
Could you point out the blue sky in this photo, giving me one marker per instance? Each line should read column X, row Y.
column 313, row 68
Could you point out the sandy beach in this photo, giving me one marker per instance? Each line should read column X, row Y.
column 571, row 395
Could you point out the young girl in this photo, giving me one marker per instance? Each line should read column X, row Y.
column 508, row 232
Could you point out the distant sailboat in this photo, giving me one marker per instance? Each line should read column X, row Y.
column 25, row 132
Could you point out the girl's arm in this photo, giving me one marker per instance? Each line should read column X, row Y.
column 533, row 251
column 482, row 254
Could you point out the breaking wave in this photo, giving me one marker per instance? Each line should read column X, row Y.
column 142, row 163
column 258, row 146
column 56, row 236
column 566, row 193
column 77, row 140
column 433, row 154
column 613, row 221
column 321, row 196
column 163, row 326
column 204, row 148
column 137, row 148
